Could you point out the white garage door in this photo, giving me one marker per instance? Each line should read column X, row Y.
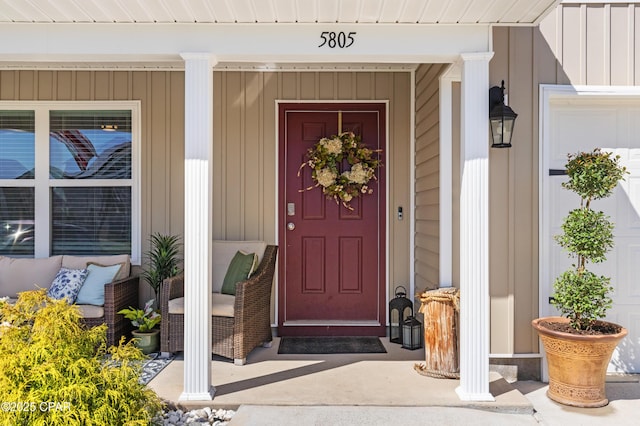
column 573, row 125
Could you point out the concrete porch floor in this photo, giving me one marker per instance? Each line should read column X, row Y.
column 381, row 389
column 383, row 380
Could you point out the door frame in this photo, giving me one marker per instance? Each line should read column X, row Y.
column 329, row 105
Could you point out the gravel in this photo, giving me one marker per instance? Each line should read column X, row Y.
column 174, row 416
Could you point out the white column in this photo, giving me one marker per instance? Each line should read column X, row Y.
column 198, row 141
column 474, row 229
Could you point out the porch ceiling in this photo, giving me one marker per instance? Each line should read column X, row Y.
column 276, row 11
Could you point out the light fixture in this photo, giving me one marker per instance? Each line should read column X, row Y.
column 501, row 117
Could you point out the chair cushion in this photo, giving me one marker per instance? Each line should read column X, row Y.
column 67, row 283
column 92, row 291
column 221, row 305
column 239, row 270
column 223, row 252
column 80, row 262
column 91, row 311
column 20, row 274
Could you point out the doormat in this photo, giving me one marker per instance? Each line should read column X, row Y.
column 330, row 345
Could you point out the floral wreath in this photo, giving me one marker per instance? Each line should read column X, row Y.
column 327, row 158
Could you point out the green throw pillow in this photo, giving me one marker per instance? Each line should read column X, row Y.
column 238, row 271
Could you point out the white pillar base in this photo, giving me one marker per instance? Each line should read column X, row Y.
column 206, row 396
column 465, row 396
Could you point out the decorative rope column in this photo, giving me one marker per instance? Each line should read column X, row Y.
column 198, row 141
column 474, row 229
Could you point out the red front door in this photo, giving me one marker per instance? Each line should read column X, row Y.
column 332, row 259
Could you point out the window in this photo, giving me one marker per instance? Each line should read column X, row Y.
column 69, row 179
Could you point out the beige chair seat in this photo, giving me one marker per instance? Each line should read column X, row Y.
column 91, row 311
column 221, row 305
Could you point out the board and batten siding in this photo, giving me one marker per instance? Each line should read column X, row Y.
column 427, row 176
column 595, row 44
column 578, row 44
column 244, row 141
column 162, row 131
column 245, row 148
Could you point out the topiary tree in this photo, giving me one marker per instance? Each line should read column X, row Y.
column 55, row 371
column 581, row 295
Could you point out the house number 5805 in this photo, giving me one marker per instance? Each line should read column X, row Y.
column 340, row 39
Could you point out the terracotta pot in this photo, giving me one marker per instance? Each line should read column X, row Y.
column 577, row 364
column 147, row 342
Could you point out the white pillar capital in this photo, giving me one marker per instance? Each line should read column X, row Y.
column 198, row 143
column 200, row 56
column 474, row 229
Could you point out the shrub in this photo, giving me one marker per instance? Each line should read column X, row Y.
column 55, row 371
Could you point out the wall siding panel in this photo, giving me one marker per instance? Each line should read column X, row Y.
column 245, row 134
column 244, row 145
column 427, row 173
column 162, row 130
column 593, row 44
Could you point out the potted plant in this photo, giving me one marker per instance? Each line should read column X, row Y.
column 147, row 336
column 163, row 261
column 579, row 344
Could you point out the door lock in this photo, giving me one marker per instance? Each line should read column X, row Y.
column 291, row 226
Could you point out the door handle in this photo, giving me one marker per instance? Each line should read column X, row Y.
column 291, row 226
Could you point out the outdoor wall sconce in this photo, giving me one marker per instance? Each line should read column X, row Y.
column 400, row 308
column 501, row 117
column 412, row 334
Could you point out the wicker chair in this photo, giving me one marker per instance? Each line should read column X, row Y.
column 232, row 337
column 117, row 295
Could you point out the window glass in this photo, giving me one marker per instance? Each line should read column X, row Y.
column 16, row 221
column 17, row 144
column 90, row 145
column 91, row 220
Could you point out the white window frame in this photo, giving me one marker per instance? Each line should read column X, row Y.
column 42, row 183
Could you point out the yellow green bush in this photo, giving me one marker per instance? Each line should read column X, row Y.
column 55, row 371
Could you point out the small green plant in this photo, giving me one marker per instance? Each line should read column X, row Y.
column 145, row 319
column 54, row 371
column 580, row 294
column 163, row 260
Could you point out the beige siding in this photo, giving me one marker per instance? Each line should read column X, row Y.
column 162, row 100
column 576, row 44
column 595, row 44
column 427, row 175
column 520, row 59
column 245, row 145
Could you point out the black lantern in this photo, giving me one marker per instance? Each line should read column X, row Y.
column 400, row 308
column 412, row 333
column 501, row 117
